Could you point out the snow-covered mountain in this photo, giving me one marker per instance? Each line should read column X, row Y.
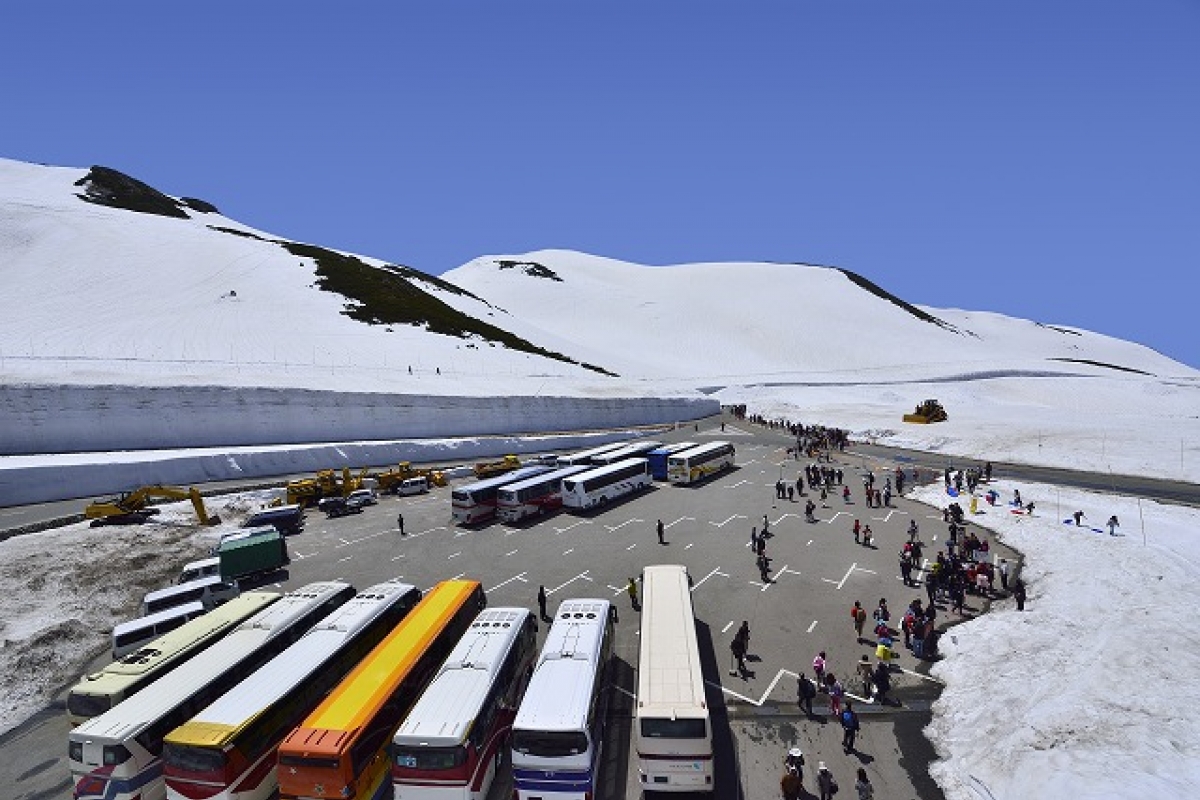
column 118, row 296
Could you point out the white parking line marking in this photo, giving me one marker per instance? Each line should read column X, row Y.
column 631, row 546
column 573, row 525
column 716, row 571
column 454, row 555
column 520, row 578
column 347, row 558
column 810, row 627
column 623, row 524
column 568, row 551
column 583, row 575
column 509, row 553
column 727, row 627
column 681, row 519
column 727, row 521
column 688, row 546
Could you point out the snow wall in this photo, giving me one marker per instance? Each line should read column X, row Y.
column 37, row 419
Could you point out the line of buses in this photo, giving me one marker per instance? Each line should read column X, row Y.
column 327, row 693
column 587, row 480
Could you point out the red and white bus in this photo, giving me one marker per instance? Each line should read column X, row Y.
column 534, row 496
column 476, row 502
column 452, row 742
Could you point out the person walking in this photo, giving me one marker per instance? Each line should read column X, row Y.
column 863, row 786
column 764, row 568
column 632, row 589
column 806, row 692
column 836, row 693
column 737, row 649
column 790, row 785
column 826, row 785
column 818, row 667
column 766, row 526
column 743, row 633
column 660, row 530
column 912, row 531
column 541, row 598
column 858, row 615
column 400, row 524
column 1113, row 524
column 849, row 728
column 866, row 674
column 1018, row 593
column 1002, row 568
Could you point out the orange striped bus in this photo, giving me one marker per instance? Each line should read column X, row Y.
column 340, row 750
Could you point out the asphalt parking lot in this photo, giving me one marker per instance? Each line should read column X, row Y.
column 817, row 573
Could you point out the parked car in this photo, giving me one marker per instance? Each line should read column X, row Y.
column 362, row 497
column 338, row 506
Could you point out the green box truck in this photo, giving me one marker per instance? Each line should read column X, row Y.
column 252, row 552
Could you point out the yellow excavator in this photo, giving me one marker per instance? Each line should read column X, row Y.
column 490, row 469
column 131, row 508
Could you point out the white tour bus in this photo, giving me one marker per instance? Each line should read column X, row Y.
column 658, row 458
column 587, row 456
column 210, row 592
column 700, row 462
column 671, row 732
column 97, row 692
column 558, row 733
column 228, row 749
column 633, row 450
column 118, row 754
column 453, row 741
column 476, row 502
column 534, row 496
column 604, row 484
column 129, row 636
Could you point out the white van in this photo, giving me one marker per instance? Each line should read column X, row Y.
column 131, row 635
column 209, row 592
column 413, row 486
column 362, row 497
column 195, row 570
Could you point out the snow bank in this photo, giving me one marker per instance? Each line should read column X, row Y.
column 1086, row 693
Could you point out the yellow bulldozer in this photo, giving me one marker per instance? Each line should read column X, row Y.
column 390, row 480
column 486, row 469
column 927, row 411
column 132, row 508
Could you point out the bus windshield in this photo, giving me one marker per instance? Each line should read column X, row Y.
column 550, row 744
column 430, row 757
column 88, row 705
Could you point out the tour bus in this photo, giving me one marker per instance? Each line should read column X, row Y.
column 129, row 636
column 228, row 749
column 558, row 733
column 700, row 462
column 534, row 496
column 658, row 458
column 586, row 456
column 118, row 754
column 476, row 502
column 671, row 732
column 209, row 592
column 604, row 484
column 100, row 691
column 634, row 450
column 340, row 749
column 452, row 742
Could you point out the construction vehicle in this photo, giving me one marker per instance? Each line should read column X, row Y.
column 307, row 491
column 133, row 508
column 389, row 482
column 927, row 411
column 486, row 469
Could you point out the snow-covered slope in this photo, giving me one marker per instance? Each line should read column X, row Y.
column 741, row 322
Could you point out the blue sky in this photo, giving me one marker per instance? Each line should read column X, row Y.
column 1037, row 159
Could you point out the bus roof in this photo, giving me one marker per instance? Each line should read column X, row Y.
column 668, row 449
column 616, row 466
column 443, row 715
column 505, row 479
column 700, row 449
column 183, row 588
column 216, row 724
column 555, row 475
column 167, row 646
column 161, row 697
column 669, row 677
column 369, row 684
column 559, row 693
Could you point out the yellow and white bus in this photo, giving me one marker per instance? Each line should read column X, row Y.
column 100, row 691
column 118, row 754
column 700, row 462
column 671, row 730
